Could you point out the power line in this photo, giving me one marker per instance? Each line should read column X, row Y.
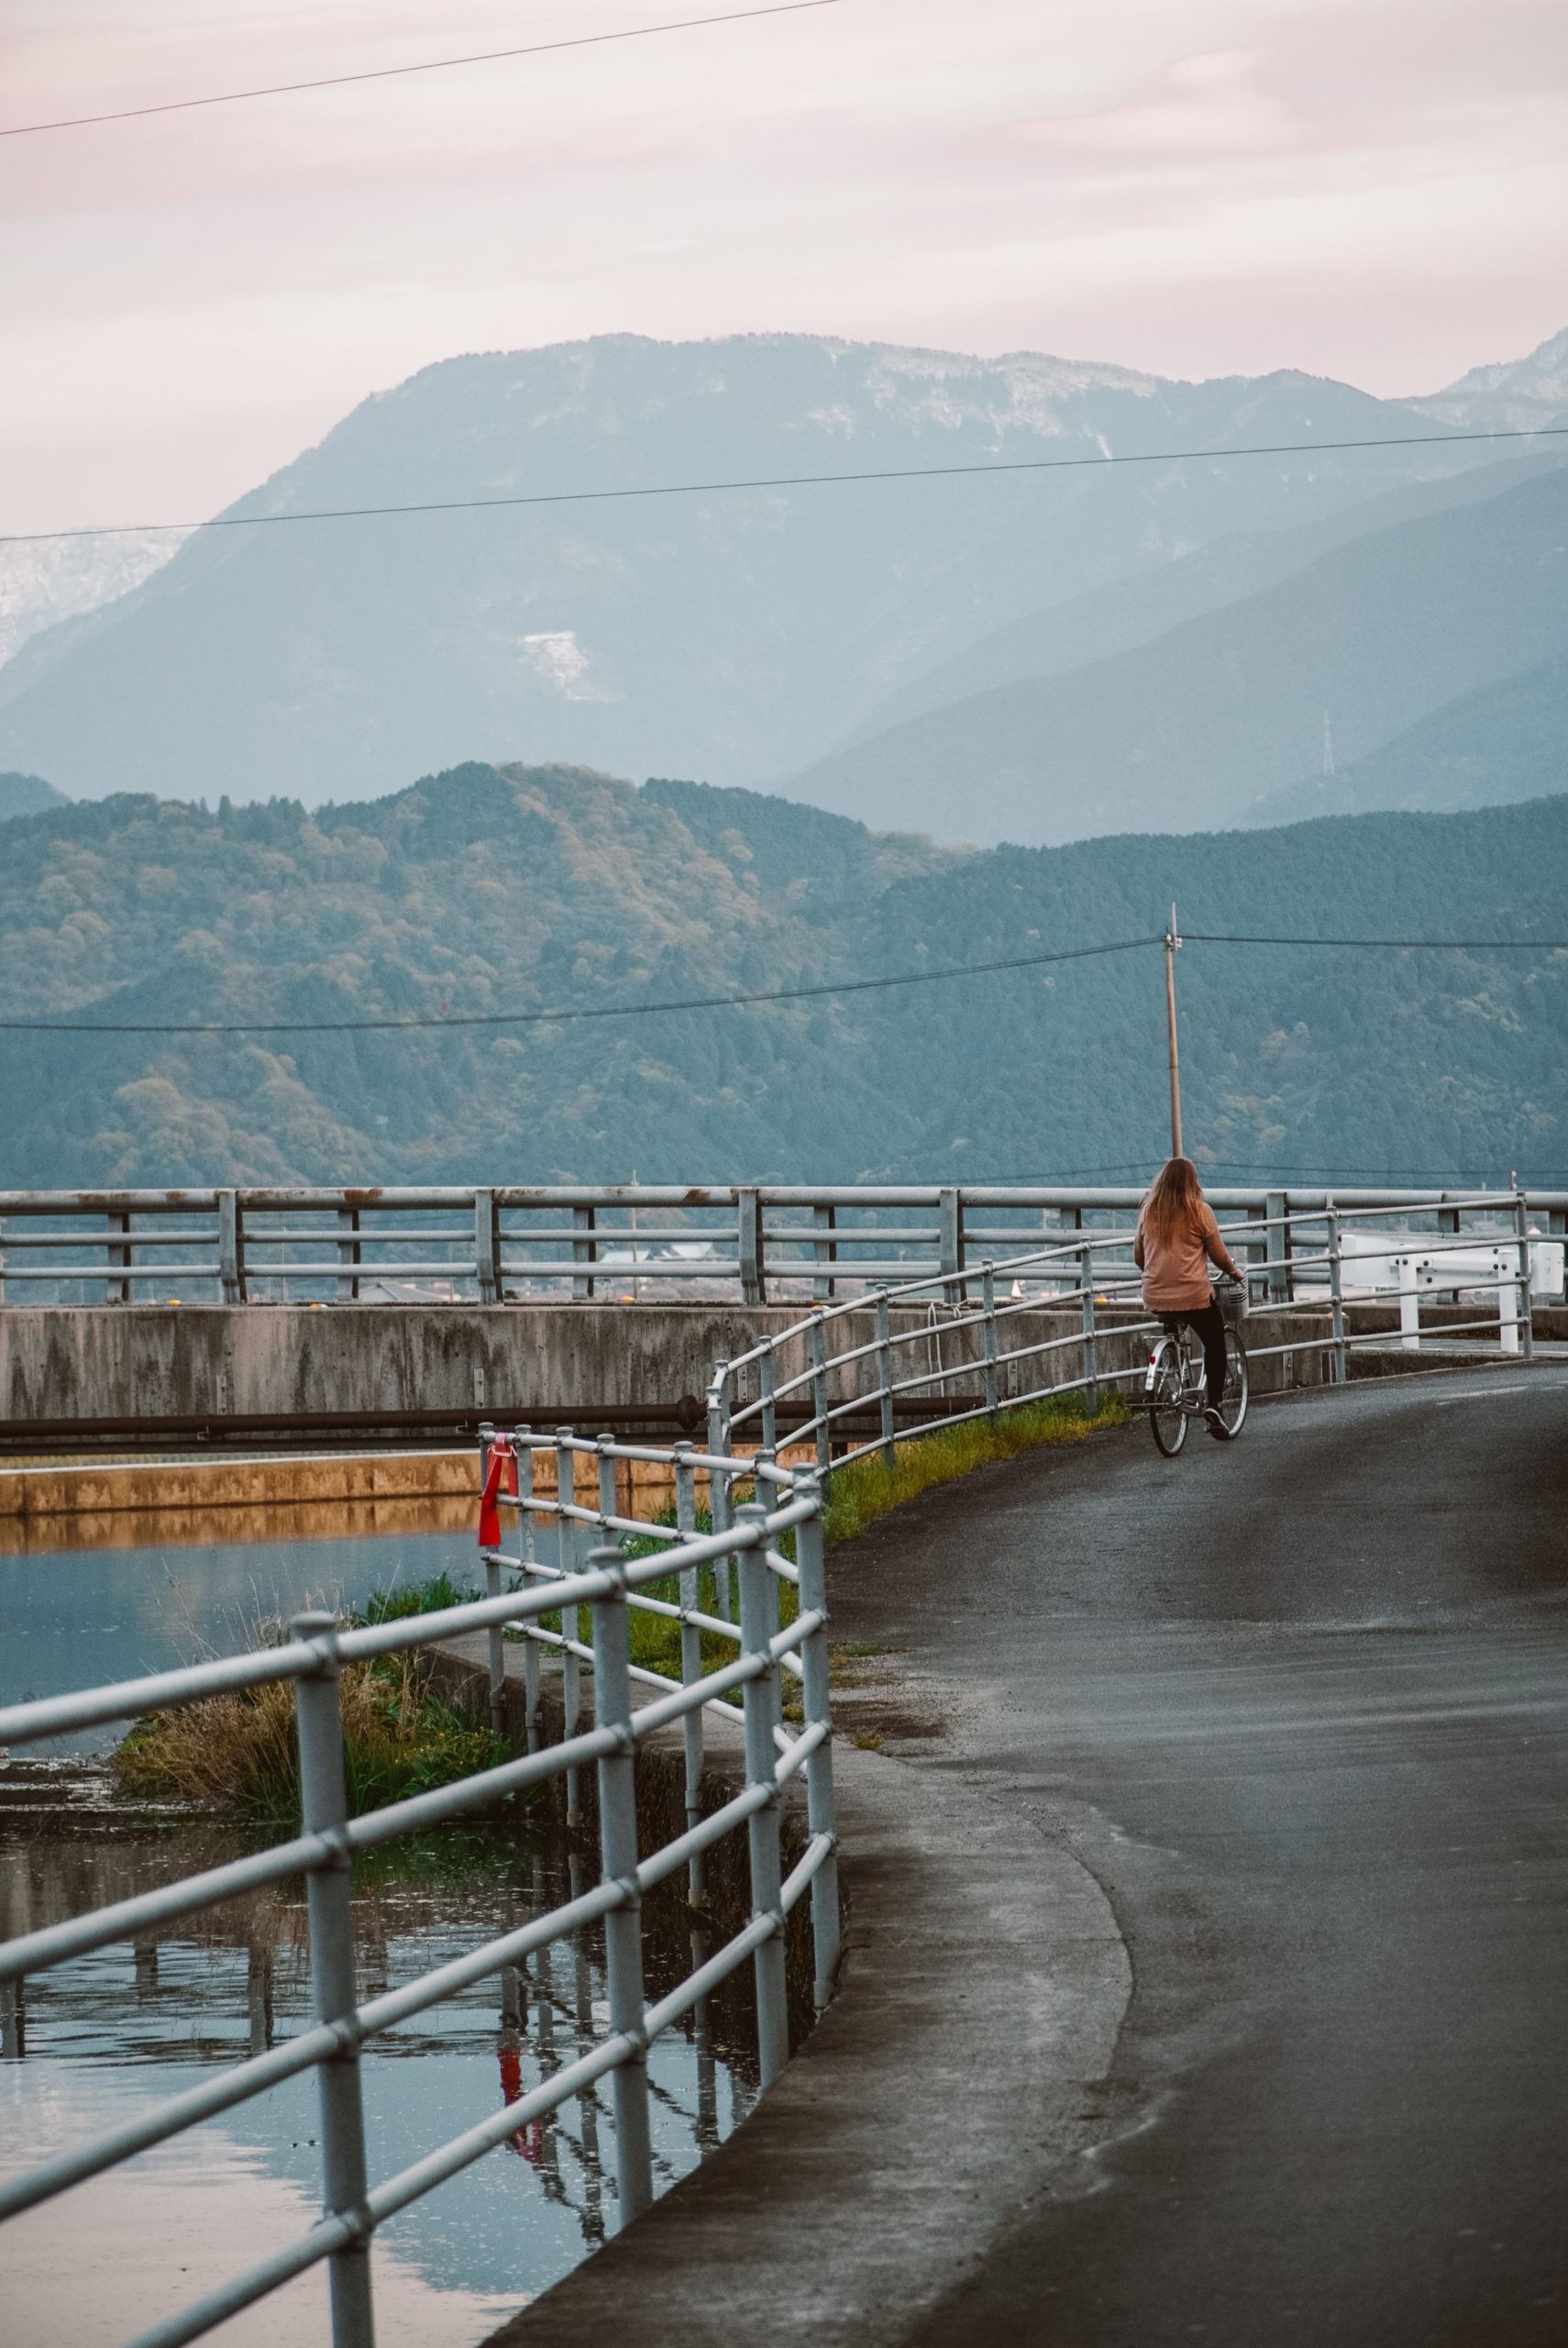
column 1424, row 945
column 569, row 1014
column 555, row 1018
column 780, row 480
column 396, row 73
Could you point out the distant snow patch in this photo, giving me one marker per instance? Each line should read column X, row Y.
column 557, row 659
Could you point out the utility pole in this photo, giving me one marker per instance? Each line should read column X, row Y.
column 1172, row 942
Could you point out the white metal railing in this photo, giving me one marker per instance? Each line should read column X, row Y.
column 612, row 1585
column 357, row 1245
column 807, row 1394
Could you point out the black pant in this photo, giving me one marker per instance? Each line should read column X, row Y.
column 1207, row 1326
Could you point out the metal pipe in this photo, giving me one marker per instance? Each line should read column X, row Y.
column 324, row 1811
column 822, row 1815
column 759, row 1618
column 691, row 1664
column 566, row 1557
column 989, row 1307
column 820, row 1397
column 1091, row 1389
column 884, row 1377
column 1336, row 1299
column 526, row 1563
column 622, row 1924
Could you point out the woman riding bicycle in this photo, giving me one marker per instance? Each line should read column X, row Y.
column 1177, row 1239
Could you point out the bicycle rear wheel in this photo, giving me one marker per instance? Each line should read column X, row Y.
column 1167, row 1419
column 1233, row 1400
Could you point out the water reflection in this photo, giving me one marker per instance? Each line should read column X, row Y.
column 92, row 2041
column 89, row 1616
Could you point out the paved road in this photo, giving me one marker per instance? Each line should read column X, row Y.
column 1300, row 1703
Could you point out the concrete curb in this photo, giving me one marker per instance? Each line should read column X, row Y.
column 950, row 2083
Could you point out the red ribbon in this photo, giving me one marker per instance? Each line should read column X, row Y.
column 502, row 1462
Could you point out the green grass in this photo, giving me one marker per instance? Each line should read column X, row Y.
column 867, row 1488
column 239, row 1751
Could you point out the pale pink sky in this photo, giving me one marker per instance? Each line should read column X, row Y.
column 1371, row 189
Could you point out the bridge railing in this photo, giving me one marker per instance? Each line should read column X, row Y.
column 492, row 1245
column 964, row 1346
column 590, row 1570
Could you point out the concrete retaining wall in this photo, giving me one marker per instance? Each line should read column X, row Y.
column 195, row 1360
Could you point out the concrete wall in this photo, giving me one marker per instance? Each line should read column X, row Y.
column 182, row 1362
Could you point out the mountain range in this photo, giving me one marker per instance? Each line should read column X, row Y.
column 485, row 893
column 742, row 636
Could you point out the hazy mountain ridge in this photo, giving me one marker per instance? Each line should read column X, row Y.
column 540, row 889
column 731, row 637
column 28, row 794
column 1201, row 725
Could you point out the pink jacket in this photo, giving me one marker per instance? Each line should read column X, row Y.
column 1175, row 1276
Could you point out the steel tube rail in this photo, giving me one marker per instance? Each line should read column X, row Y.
column 313, row 1659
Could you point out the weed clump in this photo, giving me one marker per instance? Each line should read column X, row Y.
column 867, row 1488
column 237, row 1751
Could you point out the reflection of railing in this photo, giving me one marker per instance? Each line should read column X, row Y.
column 609, row 1584
column 343, row 1246
column 807, row 1393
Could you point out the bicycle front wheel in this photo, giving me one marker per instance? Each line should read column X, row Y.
column 1167, row 1419
column 1233, row 1401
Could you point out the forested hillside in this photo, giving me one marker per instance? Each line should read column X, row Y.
column 487, row 889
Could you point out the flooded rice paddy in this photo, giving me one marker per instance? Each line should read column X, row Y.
column 95, row 2040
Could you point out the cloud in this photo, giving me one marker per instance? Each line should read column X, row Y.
column 1375, row 189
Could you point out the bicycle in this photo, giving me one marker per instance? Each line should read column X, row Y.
column 1175, row 1388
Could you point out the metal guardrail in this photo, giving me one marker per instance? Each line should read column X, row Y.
column 820, row 1402
column 611, row 1584
column 490, row 1245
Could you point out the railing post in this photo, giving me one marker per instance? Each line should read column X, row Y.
column 348, row 1254
column 720, row 1496
column 765, row 1384
column 1336, row 1294
column 822, row 1817
column 824, row 1286
column 690, row 1663
column 1256, row 1251
column 583, row 1251
column 820, row 1395
column 759, row 1621
column 524, row 1559
column 487, row 1246
column 496, row 1636
column 1526, row 1328
column 989, row 1304
column 1409, row 1304
column 1091, row 1351
column 231, row 1247
column 951, row 1234
column 607, row 1492
column 323, row 1807
column 884, row 1376
column 566, row 1493
column 1278, row 1249
column 117, row 1286
column 752, row 1258
column 618, row 1858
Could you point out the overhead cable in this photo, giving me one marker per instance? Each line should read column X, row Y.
column 556, row 1018
column 782, row 480
column 397, row 72
column 569, row 1014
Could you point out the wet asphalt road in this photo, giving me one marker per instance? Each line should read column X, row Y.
column 1300, row 1703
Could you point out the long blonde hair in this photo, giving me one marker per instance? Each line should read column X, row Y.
column 1174, row 1197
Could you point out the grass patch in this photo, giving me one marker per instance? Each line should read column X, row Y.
column 239, row 1751
column 867, row 1488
